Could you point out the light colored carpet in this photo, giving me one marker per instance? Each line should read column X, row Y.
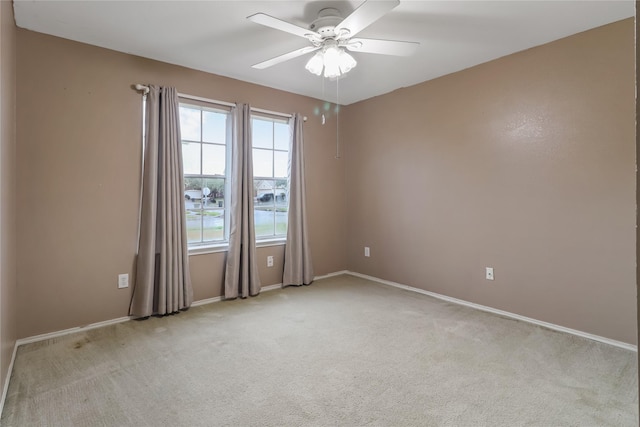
column 343, row 351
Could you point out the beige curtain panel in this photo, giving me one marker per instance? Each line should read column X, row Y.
column 241, row 273
column 298, row 269
column 163, row 281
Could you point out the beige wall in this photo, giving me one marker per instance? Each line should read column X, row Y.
column 78, row 163
column 525, row 164
column 637, row 54
column 8, row 294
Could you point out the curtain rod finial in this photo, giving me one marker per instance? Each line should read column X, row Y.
column 143, row 88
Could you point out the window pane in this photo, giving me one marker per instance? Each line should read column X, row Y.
column 192, row 193
column 191, row 158
column 193, row 183
column 216, row 192
column 262, row 133
column 194, row 226
column 281, row 221
column 281, row 184
column 263, row 190
column 281, row 136
column 271, row 141
column 214, row 127
column 263, row 218
column 190, row 123
column 213, row 159
column 204, row 197
column 213, row 224
column 280, row 164
column 281, row 193
column 262, row 162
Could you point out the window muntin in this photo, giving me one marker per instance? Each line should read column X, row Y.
column 205, row 136
column 270, row 142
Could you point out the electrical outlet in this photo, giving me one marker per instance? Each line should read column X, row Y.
column 489, row 273
column 123, row 281
column 269, row 261
column 367, row 252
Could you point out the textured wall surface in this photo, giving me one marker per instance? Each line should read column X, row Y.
column 8, row 293
column 79, row 126
column 525, row 164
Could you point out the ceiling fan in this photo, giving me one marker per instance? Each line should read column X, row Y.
column 330, row 35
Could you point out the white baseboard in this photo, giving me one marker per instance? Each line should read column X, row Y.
column 206, row 301
column 5, row 387
column 56, row 334
column 264, row 289
column 547, row 325
column 555, row 327
column 220, row 298
column 326, row 276
column 271, row 287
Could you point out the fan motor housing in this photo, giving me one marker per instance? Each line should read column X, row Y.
column 327, row 20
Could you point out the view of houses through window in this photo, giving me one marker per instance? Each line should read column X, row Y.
column 204, row 155
column 270, row 140
column 206, row 135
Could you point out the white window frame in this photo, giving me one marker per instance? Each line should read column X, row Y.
column 213, row 245
column 274, row 238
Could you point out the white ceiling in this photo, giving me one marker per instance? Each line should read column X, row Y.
column 214, row 36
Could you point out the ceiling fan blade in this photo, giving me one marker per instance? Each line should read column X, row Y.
column 366, row 14
column 384, row 47
column 278, row 24
column 285, row 57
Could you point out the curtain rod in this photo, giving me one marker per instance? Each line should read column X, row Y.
column 145, row 89
column 211, row 101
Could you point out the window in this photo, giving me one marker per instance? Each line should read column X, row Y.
column 205, row 133
column 270, row 140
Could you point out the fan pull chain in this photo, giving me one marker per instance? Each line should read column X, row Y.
column 324, row 120
column 337, row 118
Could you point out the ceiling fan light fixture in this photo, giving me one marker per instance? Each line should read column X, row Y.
column 331, row 55
column 347, row 62
column 315, row 64
column 331, row 71
column 333, row 60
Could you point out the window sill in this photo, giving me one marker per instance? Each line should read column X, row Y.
column 280, row 241
column 208, row 249
column 224, row 247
